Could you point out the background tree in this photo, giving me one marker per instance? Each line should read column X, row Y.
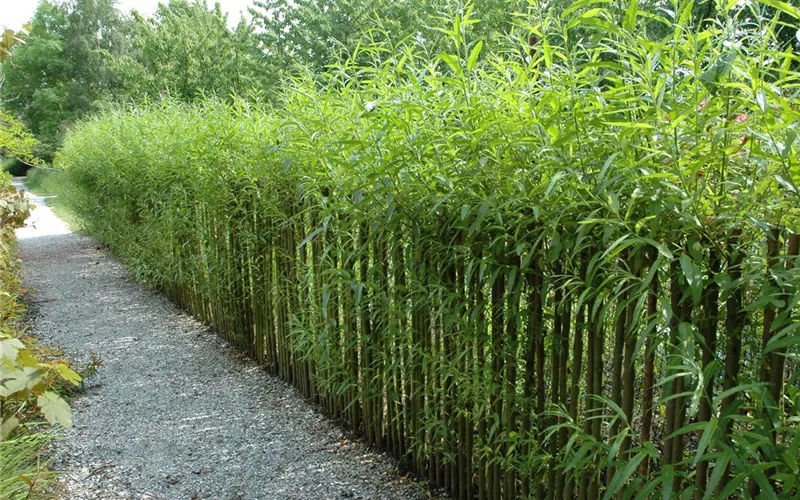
column 187, row 50
column 61, row 72
column 84, row 54
column 316, row 32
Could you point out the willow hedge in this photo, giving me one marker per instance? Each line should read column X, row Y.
column 563, row 271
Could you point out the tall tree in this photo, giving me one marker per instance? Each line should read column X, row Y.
column 61, row 72
column 316, row 33
column 188, row 50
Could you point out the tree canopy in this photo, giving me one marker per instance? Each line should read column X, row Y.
column 187, row 50
column 317, row 32
column 84, row 54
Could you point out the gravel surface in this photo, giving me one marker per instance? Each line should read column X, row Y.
column 174, row 413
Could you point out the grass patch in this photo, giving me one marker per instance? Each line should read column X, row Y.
column 54, row 185
column 24, row 466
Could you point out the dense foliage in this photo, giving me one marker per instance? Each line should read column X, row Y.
column 16, row 142
column 564, row 270
column 82, row 55
column 187, row 50
column 316, row 33
column 60, row 73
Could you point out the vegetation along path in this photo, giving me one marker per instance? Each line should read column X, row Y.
column 174, row 413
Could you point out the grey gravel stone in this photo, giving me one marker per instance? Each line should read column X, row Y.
column 172, row 413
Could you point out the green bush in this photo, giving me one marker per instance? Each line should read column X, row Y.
column 564, row 270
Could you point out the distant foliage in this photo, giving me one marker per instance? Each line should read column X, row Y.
column 60, row 73
column 319, row 33
column 80, row 56
column 186, row 51
column 565, row 270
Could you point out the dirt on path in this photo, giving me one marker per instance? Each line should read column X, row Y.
column 174, row 413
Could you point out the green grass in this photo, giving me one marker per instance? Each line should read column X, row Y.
column 24, row 467
column 53, row 184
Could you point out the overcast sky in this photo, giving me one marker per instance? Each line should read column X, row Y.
column 15, row 13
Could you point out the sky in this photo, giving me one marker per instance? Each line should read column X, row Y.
column 15, row 13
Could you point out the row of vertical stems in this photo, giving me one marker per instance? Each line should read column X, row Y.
column 453, row 355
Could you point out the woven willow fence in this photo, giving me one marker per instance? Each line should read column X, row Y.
column 547, row 278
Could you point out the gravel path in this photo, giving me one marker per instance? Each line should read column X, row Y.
column 174, row 413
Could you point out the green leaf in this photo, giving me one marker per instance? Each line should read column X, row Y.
column 761, row 99
column 731, row 4
column 10, row 347
column 55, row 409
column 622, row 475
column 720, row 67
column 452, row 61
column 708, row 433
column 693, row 275
column 575, row 6
column 629, row 22
column 68, row 374
column 720, row 466
column 21, row 380
column 310, row 237
column 629, row 125
column 8, row 425
column 592, row 13
column 783, row 7
column 783, row 181
column 791, row 461
column 473, row 56
column 548, row 54
column 739, row 388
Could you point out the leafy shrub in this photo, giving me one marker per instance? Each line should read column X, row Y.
column 567, row 269
column 16, row 144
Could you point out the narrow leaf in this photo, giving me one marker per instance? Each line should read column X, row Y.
column 473, row 56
